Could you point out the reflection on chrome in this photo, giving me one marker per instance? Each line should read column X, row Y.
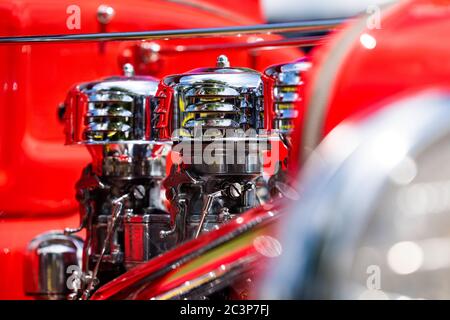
column 405, row 172
column 268, row 246
column 424, row 198
column 405, row 257
column 388, row 149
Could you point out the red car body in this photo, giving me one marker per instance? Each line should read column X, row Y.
column 362, row 68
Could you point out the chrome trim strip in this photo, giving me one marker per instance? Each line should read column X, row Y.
column 301, row 26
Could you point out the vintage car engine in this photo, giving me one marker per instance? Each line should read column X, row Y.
column 198, row 139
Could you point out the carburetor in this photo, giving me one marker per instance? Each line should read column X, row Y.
column 215, row 119
column 120, row 191
column 284, row 94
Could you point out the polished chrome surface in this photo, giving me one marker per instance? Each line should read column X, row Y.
column 52, row 258
column 302, row 26
column 223, row 62
column 113, row 117
column 206, row 208
column 134, row 160
column 355, row 234
column 144, row 279
column 287, row 93
column 116, row 213
column 218, row 131
column 218, row 78
column 105, row 13
column 142, row 239
column 216, row 99
column 128, row 70
column 113, row 110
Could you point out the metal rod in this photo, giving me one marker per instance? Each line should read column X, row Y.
column 302, row 26
column 205, row 210
column 117, row 205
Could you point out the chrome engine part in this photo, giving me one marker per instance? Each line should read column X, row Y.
column 217, row 120
column 284, row 103
column 52, row 261
column 212, row 121
column 287, row 93
column 120, row 192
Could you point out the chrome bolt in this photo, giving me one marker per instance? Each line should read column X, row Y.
column 139, row 192
column 223, row 62
column 128, row 70
column 235, row 190
column 105, row 13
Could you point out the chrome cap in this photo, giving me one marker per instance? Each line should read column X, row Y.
column 287, row 93
column 216, row 99
column 50, row 260
column 112, row 110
